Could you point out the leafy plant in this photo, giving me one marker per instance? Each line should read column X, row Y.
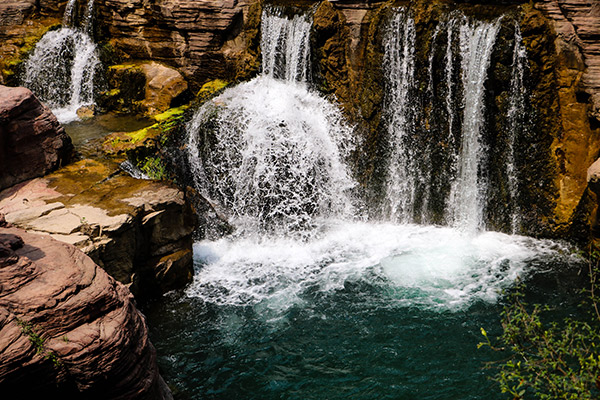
column 153, row 167
column 549, row 360
column 38, row 341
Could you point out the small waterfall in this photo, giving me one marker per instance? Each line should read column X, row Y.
column 270, row 151
column 285, row 46
column 61, row 69
column 399, row 67
column 467, row 197
column 516, row 122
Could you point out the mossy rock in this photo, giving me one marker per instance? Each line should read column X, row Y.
column 211, row 89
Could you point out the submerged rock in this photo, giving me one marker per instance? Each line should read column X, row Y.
column 32, row 141
column 67, row 328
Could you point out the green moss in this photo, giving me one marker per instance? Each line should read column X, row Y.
column 10, row 66
column 210, row 89
column 171, row 113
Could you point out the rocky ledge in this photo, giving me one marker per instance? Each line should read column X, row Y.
column 139, row 231
column 67, row 328
column 32, row 141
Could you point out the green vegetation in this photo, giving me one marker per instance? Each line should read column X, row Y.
column 211, row 89
column 548, row 360
column 39, row 342
column 153, row 167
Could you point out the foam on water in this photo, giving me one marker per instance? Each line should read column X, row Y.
column 425, row 266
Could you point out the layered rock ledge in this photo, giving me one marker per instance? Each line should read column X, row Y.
column 67, row 329
column 139, row 231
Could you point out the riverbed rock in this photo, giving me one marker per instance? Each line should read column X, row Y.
column 139, row 231
column 32, row 141
column 67, row 329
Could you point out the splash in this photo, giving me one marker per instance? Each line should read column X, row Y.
column 63, row 65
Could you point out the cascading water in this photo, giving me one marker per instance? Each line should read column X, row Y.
column 61, row 69
column 271, row 151
column 403, row 176
column 516, row 124
column 308, row 300
column 468, row 190
column 286, row 46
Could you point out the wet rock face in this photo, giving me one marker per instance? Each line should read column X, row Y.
column 32, row 142
column 67, row 329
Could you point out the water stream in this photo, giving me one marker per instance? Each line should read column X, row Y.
column 310, row 300
column 63, row 65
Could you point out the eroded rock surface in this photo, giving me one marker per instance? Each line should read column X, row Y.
column 204, row 39
column 32, row 141
column 67, row 329
column 139, row 231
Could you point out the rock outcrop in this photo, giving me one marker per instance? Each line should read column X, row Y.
column 578, row 24
column 32, row 141
column 139, row 231
column 145, row 87
column 203, row 39
column 22, row 24
column 67, row 329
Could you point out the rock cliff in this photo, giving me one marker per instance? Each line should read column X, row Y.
column 203, row 39
column 67, row 329
column 32, row 142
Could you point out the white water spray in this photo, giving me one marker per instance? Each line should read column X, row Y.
column 399, row 66
column 271, row 151
column 467, row 197
column 62, row 67
column 516, row 121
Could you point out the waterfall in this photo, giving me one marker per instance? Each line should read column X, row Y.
column 411, row 166
column 516, row 122
column 270, row 151
column 62, row 67
column 399, row 67
column 467, row 197
column 285, row 46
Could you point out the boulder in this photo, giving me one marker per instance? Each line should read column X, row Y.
column 139, row 231
column 163, row 84
column 32, row 141
column 67, row 329
column 142, row 87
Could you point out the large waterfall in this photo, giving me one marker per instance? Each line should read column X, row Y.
column 62, row 67
column 271, row 151
column 437, row 158
column 309, row 298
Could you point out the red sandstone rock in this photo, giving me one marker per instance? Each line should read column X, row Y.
column 195, row 36
column 68, row 329
column 32, row 141
column 578, row 23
